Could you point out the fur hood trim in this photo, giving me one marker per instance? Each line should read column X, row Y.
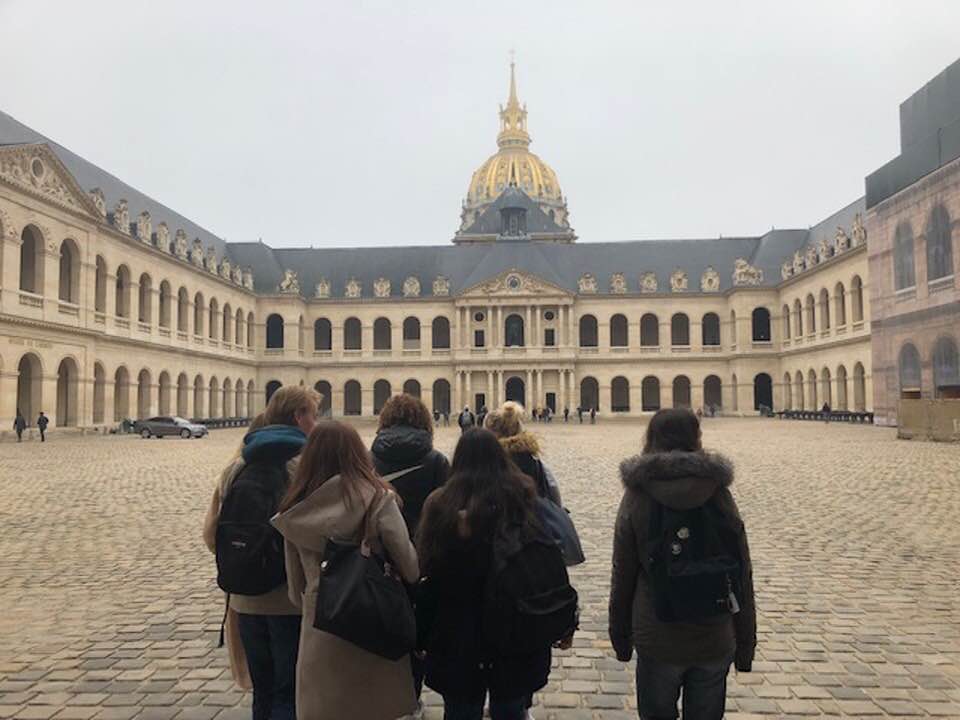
column 525, row 442
column 679, row 480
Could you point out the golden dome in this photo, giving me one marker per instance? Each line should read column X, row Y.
column 514, row 164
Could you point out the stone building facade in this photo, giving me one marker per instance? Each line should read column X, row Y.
column 114, row 306
column 914, row 218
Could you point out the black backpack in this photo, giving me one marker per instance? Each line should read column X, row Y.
column 694, row 563
column 249, row 549
column 529, row 603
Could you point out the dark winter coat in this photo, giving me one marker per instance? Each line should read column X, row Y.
column 449, row 618
column 399, row 447
column 20, row 423
column 681, row 481
column 524, row 450
column 42, row 422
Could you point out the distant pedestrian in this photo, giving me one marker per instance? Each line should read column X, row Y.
column 446, row 418
column 566, row 414
column 682, row 587
column 593, row 416
column 466, row 420
column 580, row 414
column 825, row 411
column 19, row 425
column 42, row 423
column 481, row 415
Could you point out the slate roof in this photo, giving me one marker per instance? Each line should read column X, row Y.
column 538, row 221
column 464, row 265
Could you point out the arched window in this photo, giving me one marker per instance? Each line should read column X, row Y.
column 411, row 333
column 441, row 333
column 513, row 331
column 100, row 286
column 166, row 300
column 681, row 391
column 909, row 371
column 786, row 322
column 588, row 331
column 322, row 335
column 649, row 331
column 812, row 389
column 183, row 310
column 69, row 285
column 939, row 244
column 213, row 326
column 760, row 324
column 710, row 330
column 274, row 332
column 272, row 387
column 68, row 392
column 811, row 314
column 227, row 334
column 382, row 331
column 787, row 392
column 904, row 273
column 842, row 403
column 122, row 294
column 856, row 298
column 412, row 387
column 619, row 332
column 352, row 336
column 199, row 313
column 441, row 396
column 352, row 398
column 824, row 309
column 620, row 393
column 859, row 388
column 680, row 330
column 589, row 394
column 381, row 393
column 762, row 392
column 31, row 260
column 826, row 387
column 145, row 299
column 650, row 394
column 946, row 369
column 840, row 302
column 326, row 397
column 713, row 393
column 797, row 319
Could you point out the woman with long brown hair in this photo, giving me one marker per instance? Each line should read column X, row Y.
column 334, row 495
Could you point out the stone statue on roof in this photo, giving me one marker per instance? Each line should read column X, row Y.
column 648, row 282
column 746, row 274
column 145, row 228
column 441, row 286
column 381, row 287
column 99, row 201
column 290, row 283
column 322, row 289
column 196, row 254
column 859, row 231
column 618, row 283
column 411, row 287
column 248, row 278
column 710, row 280
column 121, row 217
column 587, row 284
column 840, row 241
column 163, row 237
column 679, row 280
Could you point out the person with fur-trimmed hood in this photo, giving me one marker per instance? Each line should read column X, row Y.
column 522, row 446
column 675, row 473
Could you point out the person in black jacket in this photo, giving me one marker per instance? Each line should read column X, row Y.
column 42, row 422
column 484, row 495
column 405, row 440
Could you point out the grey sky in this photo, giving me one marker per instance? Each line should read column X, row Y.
column 360, row 123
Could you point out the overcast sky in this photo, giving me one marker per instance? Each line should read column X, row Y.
column 360, row 123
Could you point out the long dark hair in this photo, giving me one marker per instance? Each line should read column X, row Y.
column 333, row 448
column 672, row 429
column 485, row 484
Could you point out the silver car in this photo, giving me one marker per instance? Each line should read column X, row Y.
column 167, row 425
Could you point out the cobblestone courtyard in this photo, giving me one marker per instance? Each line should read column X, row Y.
column 108, row 607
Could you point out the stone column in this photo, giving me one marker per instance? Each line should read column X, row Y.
column 541, row 397
column 396, row 338
column 8, row 395
column 366, row 340
column 491, row 391
column 336, row 339
column 468, row 401
column 336, row 400
column 490, row 338
column 366, row 400
column 426, row 341
column 528, row 389
column 561, row 390
column 696, row 394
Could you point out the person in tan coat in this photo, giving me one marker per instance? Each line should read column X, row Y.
column 674, row 472
column 331, row 494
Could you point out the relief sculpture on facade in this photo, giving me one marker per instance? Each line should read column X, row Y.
column 710, row 281
column 679, row 280
column 648, row 282
column 746, row 274
column 290, row 283
column 381, row 287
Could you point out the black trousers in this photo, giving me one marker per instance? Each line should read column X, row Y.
column 271, row 643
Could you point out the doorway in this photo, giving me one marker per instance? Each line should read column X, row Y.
column 552, row 402
column 516, row 390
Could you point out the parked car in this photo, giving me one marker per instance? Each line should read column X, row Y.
column 166, row 425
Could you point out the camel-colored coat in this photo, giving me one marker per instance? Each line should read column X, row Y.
column 336, row 679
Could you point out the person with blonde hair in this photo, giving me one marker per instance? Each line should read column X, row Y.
column 506, row 422
column 249, row 551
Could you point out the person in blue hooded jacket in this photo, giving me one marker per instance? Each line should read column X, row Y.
column 268, row 625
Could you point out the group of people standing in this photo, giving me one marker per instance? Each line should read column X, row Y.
column 20, row 424
column 470, row 541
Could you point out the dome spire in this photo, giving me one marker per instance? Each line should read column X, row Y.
column 513, row 117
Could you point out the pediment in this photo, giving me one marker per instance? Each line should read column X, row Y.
column 36, row 170
column 514, row 283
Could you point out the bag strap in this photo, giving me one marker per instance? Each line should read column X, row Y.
column 373, row 509
column 400, row 473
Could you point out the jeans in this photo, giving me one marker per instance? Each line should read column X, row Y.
column 704, row 689
column 271, row 643
column 472, row 708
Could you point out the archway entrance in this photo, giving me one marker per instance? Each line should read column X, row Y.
column 67, row 393
column 516, row 390
column 589, row 394
column 441, row 396
column 762, row 392
column 29, row 387
column 326, row 397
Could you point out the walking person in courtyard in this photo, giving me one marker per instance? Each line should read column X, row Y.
column 466, row 420
column 404, row 444
column 566, row 414
column 593, row 416
column 580, row 414
column 249, row 493
column 337, row 496
column 523, row 448
column 42, row 423
column 483, row 555
column 19, row 425
column 678, row 519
